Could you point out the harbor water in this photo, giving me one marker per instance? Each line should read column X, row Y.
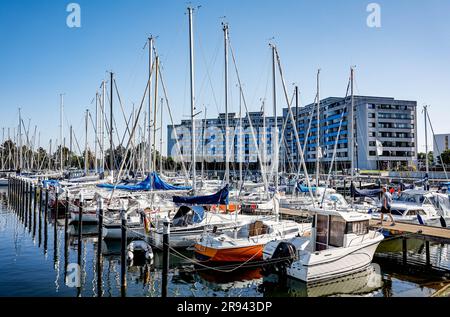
column 36, row 260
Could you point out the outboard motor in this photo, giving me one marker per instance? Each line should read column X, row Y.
column 282, row 257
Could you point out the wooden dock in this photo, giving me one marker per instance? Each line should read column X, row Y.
column 432, row 234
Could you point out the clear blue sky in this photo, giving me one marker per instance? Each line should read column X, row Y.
column 40, row 57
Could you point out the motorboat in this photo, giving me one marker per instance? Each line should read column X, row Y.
column 341, row 243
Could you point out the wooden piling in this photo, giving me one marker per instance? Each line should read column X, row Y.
column 25, row 204
column 123, row 253
column 99, row 248
column 165, row 272
column 30, row 198
column 66, row 235
column 80, row 229
column 427, row 252
column 34, row 209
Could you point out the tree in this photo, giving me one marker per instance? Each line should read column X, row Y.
column 446, row 157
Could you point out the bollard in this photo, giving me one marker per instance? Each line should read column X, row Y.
column 123, row 259
column 166, row 241
column 99, row 248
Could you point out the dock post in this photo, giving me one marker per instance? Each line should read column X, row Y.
column 99, row 248
column 166, row 241
column 40, row 215
column 46, row 204
column 55, row 227
column 123, row 253
column 427, row 252
column 80, row 229
column 34, row 209
column 66, row 236
column 404, row 250
column 46, row 220
column 40, row 199
column 22, row 201
column 30, row 198
column 25, row 205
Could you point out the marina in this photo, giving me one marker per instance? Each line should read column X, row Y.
column 142, row 194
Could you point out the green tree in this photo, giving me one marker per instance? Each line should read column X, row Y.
column 446, row 157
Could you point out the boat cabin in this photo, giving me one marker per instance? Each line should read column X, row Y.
column 334, row 229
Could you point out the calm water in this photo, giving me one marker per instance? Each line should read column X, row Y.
column 32, row 264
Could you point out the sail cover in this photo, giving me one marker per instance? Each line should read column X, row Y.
column 219, row 198
column 152, row 182
column 365, row 192
column 159, row 184
column 142, row 186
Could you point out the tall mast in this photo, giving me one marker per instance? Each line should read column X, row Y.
column 155, row 113
column 70, row 145
column 111, row 146
column 296, row 121
column 352, row 125
column 102, row 127
column 425, row 112
column 61, row 164
column 318, row 149
column 241, row 178
column 227, row 167
column 191, row 45
column 20, row 140
column 161, row 136
column 96, row 134
column 275, row 141
column 150, row 63
column 86, row 156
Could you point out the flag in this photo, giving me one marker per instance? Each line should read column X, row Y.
column 379, row 148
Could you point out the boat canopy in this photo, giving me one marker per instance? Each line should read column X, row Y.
column 219, row 198
column 188, row 215
column 365, row 192
column 152, row 182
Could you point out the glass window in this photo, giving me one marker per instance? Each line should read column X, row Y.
column 337, row 231
column 322, row 232
column 358, row 227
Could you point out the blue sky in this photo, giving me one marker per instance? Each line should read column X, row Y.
column 40, row 57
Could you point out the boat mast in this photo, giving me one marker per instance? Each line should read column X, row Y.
column 86, row 156
column 352, row 133
column 102, row 128
column 318, row 149
column 191, row 45
column 111, row 146
column 96, row 134
column 161, row 137
column 296, row 121
column 150, row 63
column 227, row 167
column 275, row 139
column 241, row 178
column 61, row 166
column 20, row 140
column 427, row 165
column 155, row 113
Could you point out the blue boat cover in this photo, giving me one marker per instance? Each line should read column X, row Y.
column 159, row 184
column 188, row 216
column 142, row 186
column 219, row 198
column 305, row 189
column 365, row 192
column 152, row 182
column 50, row 182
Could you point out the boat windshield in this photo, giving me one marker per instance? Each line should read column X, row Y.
column 408, row 198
